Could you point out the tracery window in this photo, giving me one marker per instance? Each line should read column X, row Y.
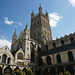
column 4, row 58
column 20, row 56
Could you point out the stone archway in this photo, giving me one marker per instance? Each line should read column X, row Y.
column 8, row 70
column 0, row 70
column 70, row 69
column 36, row 72
column 48, row 59
column 60, row 69
column 39, row 72
column 45, row 72
column 15, row 70
column 40, row 62
column 24, row 70
column 52, row 71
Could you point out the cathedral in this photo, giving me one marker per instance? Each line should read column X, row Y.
column 35, row 49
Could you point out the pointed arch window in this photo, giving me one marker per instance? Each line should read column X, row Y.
column 58, row 58
column 48, row 59
column 62, row 42
column 54, row 44
column 4, row 58
column 20, row 56
column 70, row 56
column 72, row 40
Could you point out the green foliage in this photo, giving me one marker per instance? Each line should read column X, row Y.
column 19, row 72
column 27, row 72
column 65, row 73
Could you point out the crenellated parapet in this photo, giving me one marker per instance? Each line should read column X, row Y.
column 62, row 41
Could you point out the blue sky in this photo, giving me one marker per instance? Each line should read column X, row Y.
column 14, row 14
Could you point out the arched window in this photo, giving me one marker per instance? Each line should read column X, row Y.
column 40, row 62
column 60, row 69
column 32, row 56
column 8, row 70
column 46, row 47
column 62, row 43
column 4, row 58
column 70, row 56
column 58, row 58
column 45, row 72
column 8, row 61
column 39, row 50
column 32, row 46
column 48, row 59
column 20, row 56
column 54, row 45
column 0, row 70
column 39, row 72
column 72, row 40
column 52, row 71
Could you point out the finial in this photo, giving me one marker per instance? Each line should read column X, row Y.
column 40, row 9
column 15, row 32
column 40, row 5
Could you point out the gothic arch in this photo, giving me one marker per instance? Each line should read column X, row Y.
column 0, row 70
column 54, row 45
column 17, row 68
column 48, row 59
column 39, row 72
column 36, row 72
column 62, row 42
column 52, row 71
column 60, row 69
column 4, row 56
column 20, row 56
column 70, row 69
column 45, row 72
column 24, row 70
column 8, row 70
column 8, row 61
column 70, row 56
column 58, row 56
column 39, row 50
column 32, row 47
column 40, row 62
column 72, row 40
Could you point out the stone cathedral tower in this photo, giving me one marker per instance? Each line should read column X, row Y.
column 40, row 28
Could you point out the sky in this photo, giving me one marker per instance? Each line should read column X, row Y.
column 14, row 14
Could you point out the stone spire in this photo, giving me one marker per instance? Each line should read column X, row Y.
column 32, row 14
column 14, row 38
column 46, row 13
column 15, row 32
column 26, row 27
column 40, row 9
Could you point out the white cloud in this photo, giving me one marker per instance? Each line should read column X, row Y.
column 11, row 22
column 4, row 42
column 72, row 2
column 19, row 23
column 54, row 18
column 7, row 21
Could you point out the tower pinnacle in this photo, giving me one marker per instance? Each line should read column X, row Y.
column 40, row 9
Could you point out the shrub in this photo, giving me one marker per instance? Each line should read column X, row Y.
column 67, row 73
column 19, row 72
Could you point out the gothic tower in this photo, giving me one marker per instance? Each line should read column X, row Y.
column 14, row 37
column 40, row 28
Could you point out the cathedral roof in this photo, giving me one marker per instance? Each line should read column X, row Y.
column 58, row 49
